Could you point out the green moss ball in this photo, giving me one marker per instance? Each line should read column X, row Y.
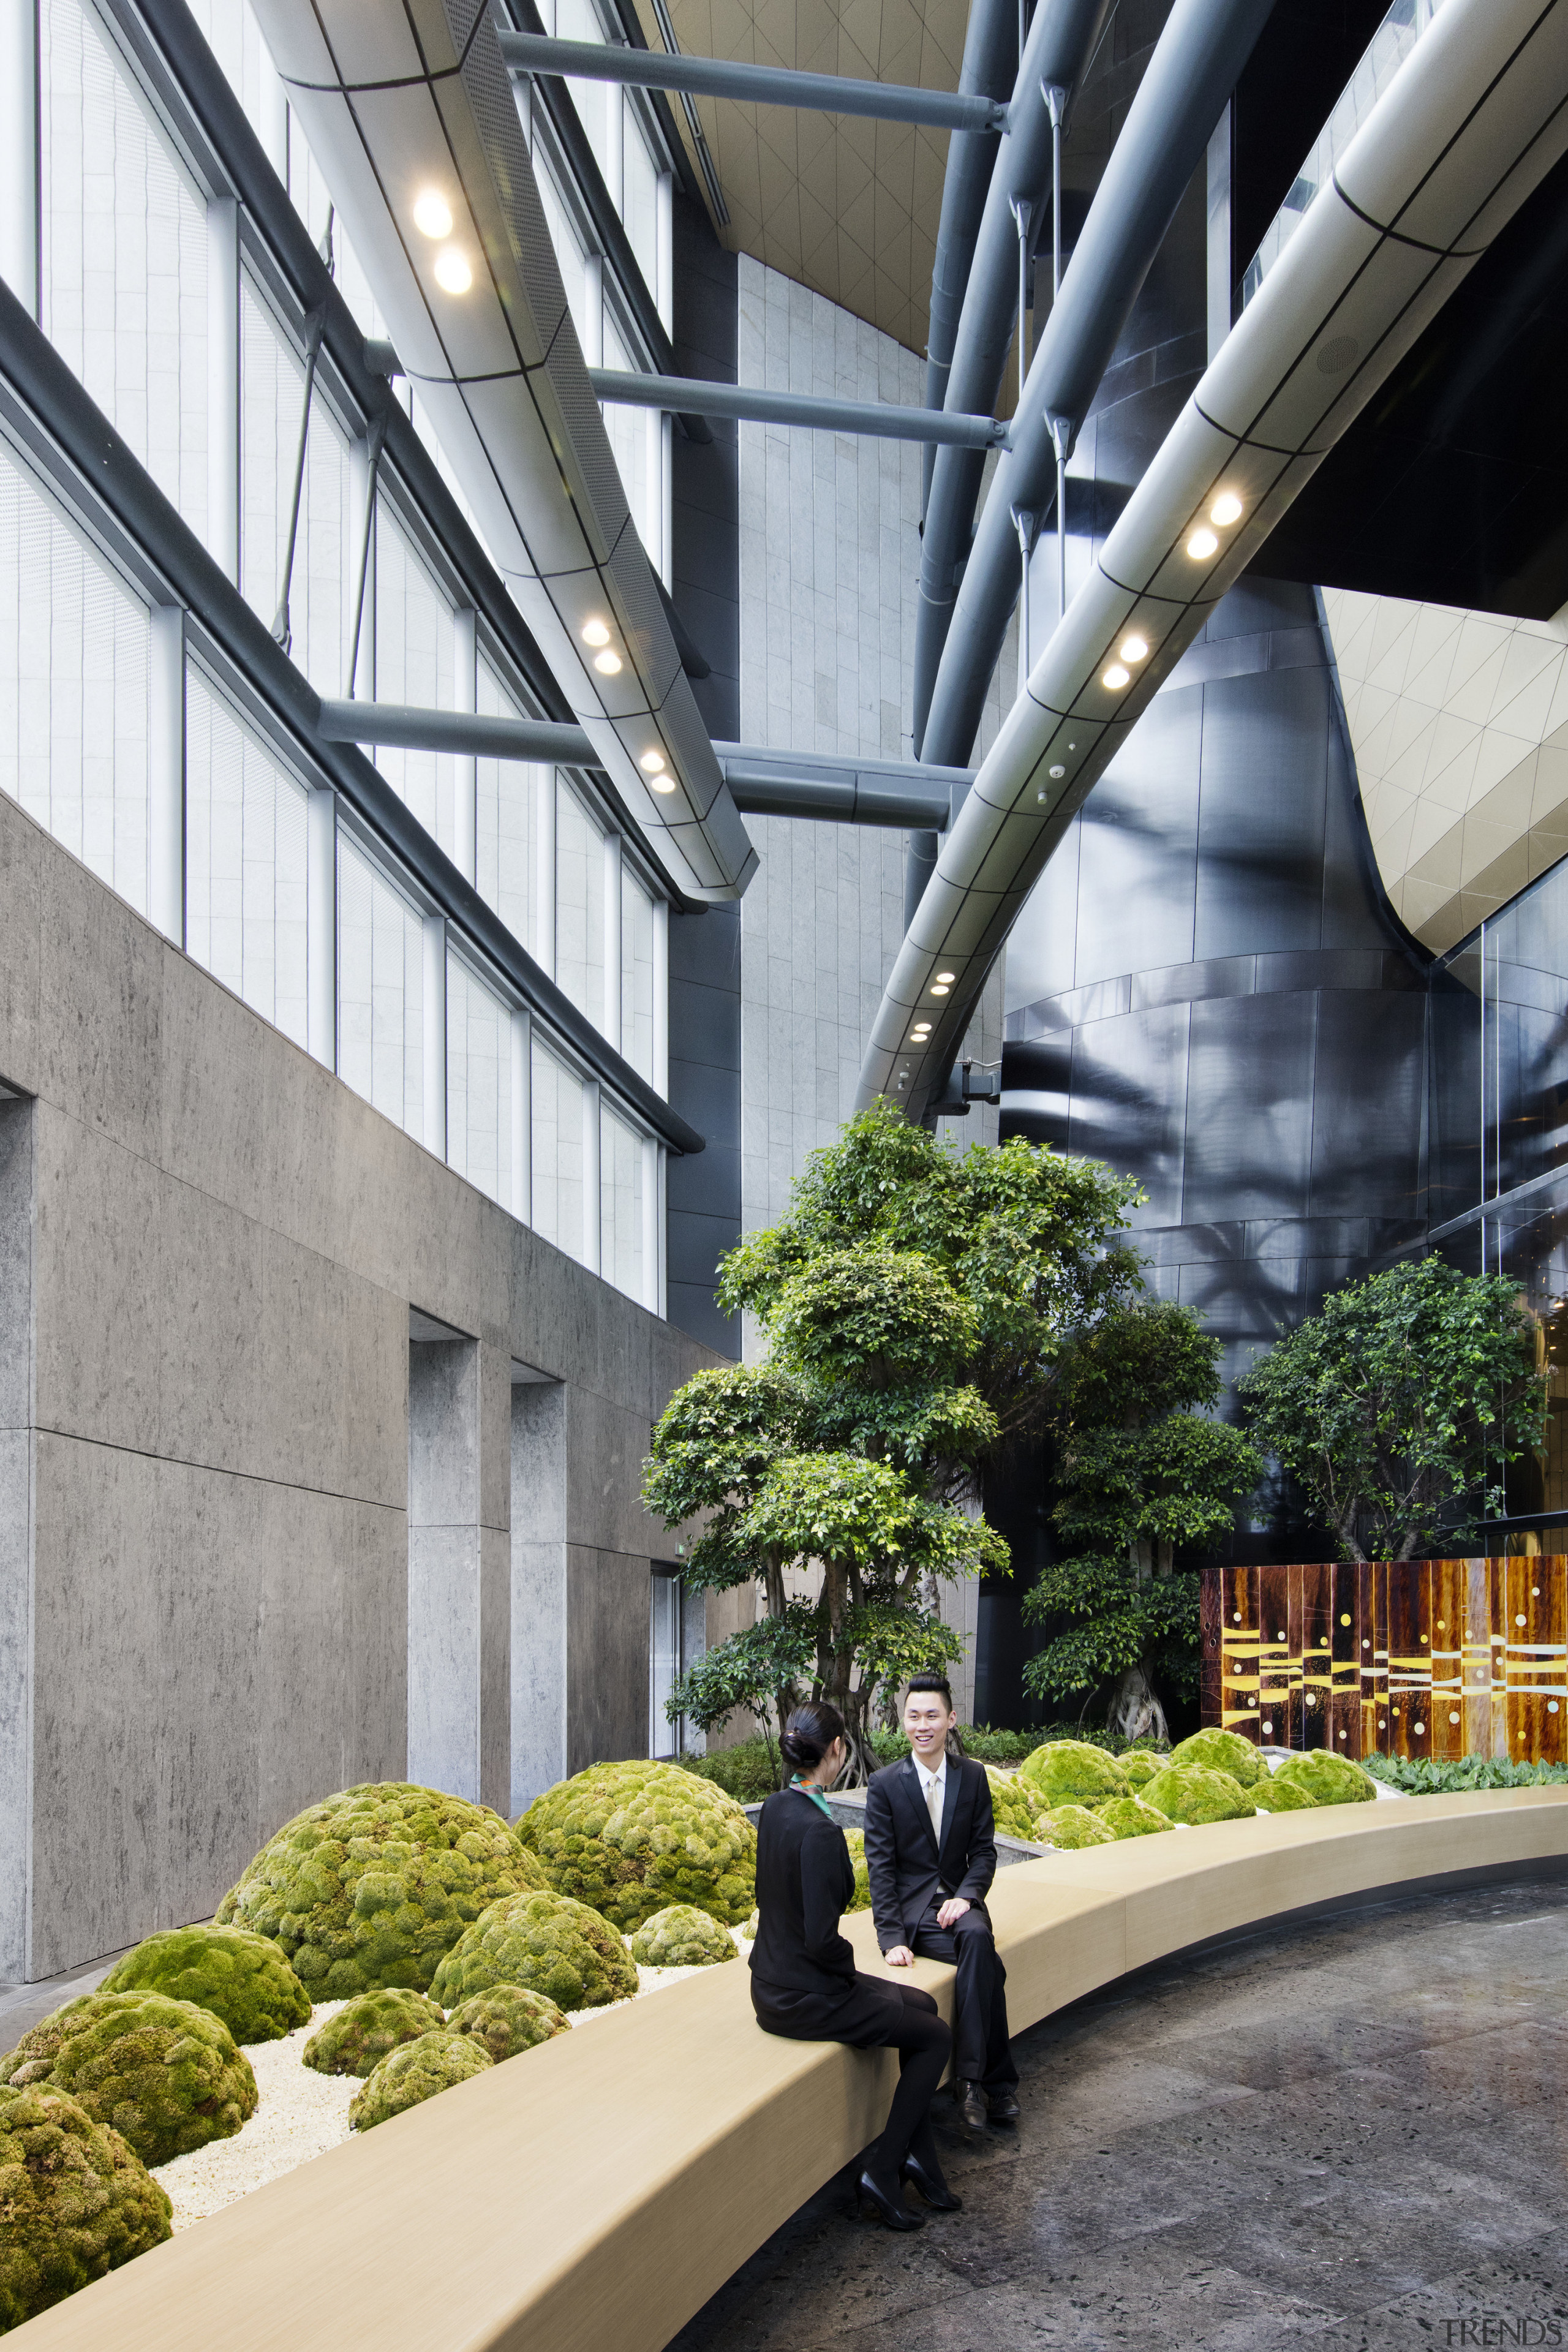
column 370, row 1887
column 164, row 2074
column 1223, row 1751
column 509, row 2018
column 1010, row 1806
column 1196, row 1793
column 1328, row 1780
column 630, row 1839
column 1273, row 1795
column 752, row 1924
column 1138, row 1767
column 550, row 1943
column 1073, row 1772
column 1071, row 1825
column 682, row 1937
column 1127, row 1817
column 358, row 2038
column 861, row 1898
column 75, row 2201
column 417, row 2071
column 241, row 1978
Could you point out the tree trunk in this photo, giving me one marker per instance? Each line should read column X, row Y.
column 1136, row 1711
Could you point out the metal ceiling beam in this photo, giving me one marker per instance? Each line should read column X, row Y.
column 678, row 395
column 1469, row 126
column 884, row 101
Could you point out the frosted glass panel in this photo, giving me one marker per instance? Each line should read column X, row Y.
column 231, row 32
column 569, row 250
column 124, row 280
column 272, row 390
column 636, row 975
column 312, row 201
column 507, row 832
column 578, row 20
column 245, row 861
column 628, row 431
column 380, row 989
column 640, row 209
column 479, row 1083
column 620, row 1204
column 579, row 905
column 74, row 654
column 557, row 1103
column 413, row 654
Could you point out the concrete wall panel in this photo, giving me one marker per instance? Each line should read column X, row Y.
column 607, row 1616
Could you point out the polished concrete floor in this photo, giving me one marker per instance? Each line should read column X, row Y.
column 1350, row 2134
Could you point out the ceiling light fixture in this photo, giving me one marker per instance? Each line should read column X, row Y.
column 1202, row 545
column 1226, row 509
column 452, row 271
column 662, row 783
column 607, row 664
column 433, row 214
column 1116, row 677
column 652, row 764
column 594, row 633
column 937, row 990
column 1057, row 772
column 1134, row 648
column 947, row 977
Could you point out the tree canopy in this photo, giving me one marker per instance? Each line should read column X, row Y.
column 1398, row 1405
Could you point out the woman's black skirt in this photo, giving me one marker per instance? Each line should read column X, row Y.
column 862, row 2015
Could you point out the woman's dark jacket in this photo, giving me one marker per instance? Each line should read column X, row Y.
column 805, row 1879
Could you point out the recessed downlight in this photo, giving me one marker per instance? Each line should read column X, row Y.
column 594, row 633
column 1202, row 545
column 665, row 783
column 937, row 988
column 1058, row 772
column 452, row 271
column 1116, row 677
column 921, row 1029
column 1133, row 649
column 947, row 977
column 433, row 214
column 1227, row 508
column 652, row 764
column 607, row 664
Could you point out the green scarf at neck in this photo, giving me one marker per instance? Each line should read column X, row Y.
column 817, row 1798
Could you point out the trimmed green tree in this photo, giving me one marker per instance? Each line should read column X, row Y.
column 912, row 1305
column 1399, row 1404
column 1141, row 1471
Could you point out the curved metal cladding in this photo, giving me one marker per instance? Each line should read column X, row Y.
column 1060, row 42
column 407, row 105
column 1210, row 992
column 1472, row 122
column 1196, row 63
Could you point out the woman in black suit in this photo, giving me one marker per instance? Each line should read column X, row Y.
column 804, row 1980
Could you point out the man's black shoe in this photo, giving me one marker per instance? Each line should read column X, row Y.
column 1004, row 2106
column 970, row 2100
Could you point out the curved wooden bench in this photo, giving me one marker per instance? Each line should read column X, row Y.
column 590, row 2197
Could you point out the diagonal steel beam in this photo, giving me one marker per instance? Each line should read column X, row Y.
column 681, row 395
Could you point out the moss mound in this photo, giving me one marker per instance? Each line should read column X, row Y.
column 682, row 1937
column 359, row 2037
column 1129, row 1816
column 1071, row 1825
column 75, row 2201
column 861, row 1898
column 549, row 1943
column 164, row 2074
column 1223, row 1751
column 1010, row 1805
column 752, row 1924
column 631, row 1839
column 1072, row 1772
column 507, row 2018
column 370, row 1887
column 241, row 1978
column 1328, row 1780
column 1138, row 1767
column 1196, row 1793
column 415, row 2071
column 1273, row 1795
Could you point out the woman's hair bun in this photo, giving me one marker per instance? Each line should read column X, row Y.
column 810, row 1733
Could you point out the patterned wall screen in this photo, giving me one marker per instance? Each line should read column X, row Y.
column 1437, row 1658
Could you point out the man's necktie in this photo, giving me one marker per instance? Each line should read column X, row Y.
column 933, row 1807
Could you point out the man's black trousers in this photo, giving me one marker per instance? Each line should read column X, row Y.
column 980, row 2051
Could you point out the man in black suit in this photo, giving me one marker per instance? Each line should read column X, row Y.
column 931, row 1851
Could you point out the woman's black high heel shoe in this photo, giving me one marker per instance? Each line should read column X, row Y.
column 894, row 2214
column 937, row 2194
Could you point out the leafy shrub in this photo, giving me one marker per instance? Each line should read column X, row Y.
column 164, row 2074
column 1271, row 1795
column 1332, row 1779
column 509, row 2018
column 77, row 2202
column 1419, row 1777
column 682, row 1937
column 630, row 1839
column 1073, row 1772
column 1196, row 1793
column 1129, row 1816
column 748, row 1771
column 1225, row 1751
column 358, row 2038
column 1071, row 1825
column 370, row 1887
column 241, row 1978
column 550, row 1943
column 417, row 2071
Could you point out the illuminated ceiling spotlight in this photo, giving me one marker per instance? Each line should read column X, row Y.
column 1116, row 677
column 1202, row 545
column 1227, row 508
column 938, row 988
column 433, row 214
column 452, row 271
column 947, row 977
column 594, row 633
column 607, row 664
column 1133, row 649
column 652, row 764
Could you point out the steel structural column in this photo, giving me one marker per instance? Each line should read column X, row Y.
column 1470, row 125
column 681, row 396
column 1194, row 68
column 991, row 48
